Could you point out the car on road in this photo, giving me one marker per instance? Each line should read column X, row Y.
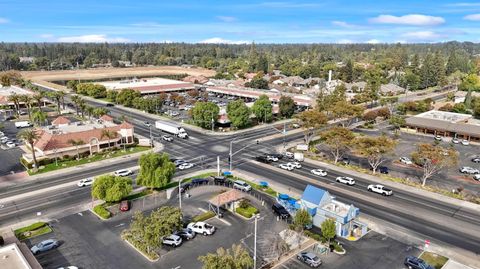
column 263, row 159
column 68, row 267
column 178, row 162
column 241, row 185
column 146, row 123
column 416, row 263
column 85, row 182
column 110, row 104
column 289, row 154
column 309, row 258
column 380, row 189
column 199, row 181
column 465, row 142
column 277, row 155
column 476, row 160
column 2, row 134
column 3, row 139
column 286, row 166
column 123, row 172
column 167, row 138
column 124, row 206
column 469, row 170
column 476, row 177
column 10, row 144
column 45, row 245
column 319, row 172
column 295, row 165
column 438, row 138
column 272, row 158
column 186, row 234
column 406, row 160
column 201, row 228
column 184, row 166
column 172, row 240
column 280, row 211
column 346, row 180
column 455, row 140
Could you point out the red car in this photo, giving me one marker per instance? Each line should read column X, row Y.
column 124, row 206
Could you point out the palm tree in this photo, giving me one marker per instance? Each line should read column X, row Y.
column 90, row 111
column 83, row 106
column 56, row 96
column 76, row 101
column 38, row 99
column 27, row 100
column 76, row 143
column 30, row 136
column 99, row 111
column 62, row 94
column 39, row 117
column 109, row 135
column 15, row 98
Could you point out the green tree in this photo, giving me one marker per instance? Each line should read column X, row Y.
column 126, row 96
column 112, row 96
column 286, row 106
column 156, row 170
column 15, row 98
column 470, row 82
column 257, row 82
column 433, row 158
column 109, row 135
column 328, row 228
column 76, row 100
column 302, row 219
column 262, row 108
column 235, row 258
column 111, row 188
column 311, row 121
column 76, row 143
column 72, row 84
column 375, row 149
column 239, row 114
column 338, row 140
column 397, row 122
column 27, row 101
column 347, row 111
column 99, row 111
column 39, row 117
column 468, row 99
column 204, row 113
column 30, row 136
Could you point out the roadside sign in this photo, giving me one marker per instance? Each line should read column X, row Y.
column 427, row 243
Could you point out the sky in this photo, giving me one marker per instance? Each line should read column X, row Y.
column 237, row 22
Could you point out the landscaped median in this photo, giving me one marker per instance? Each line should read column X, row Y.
column 245, row 209
column 435, row 260
column 32, row 230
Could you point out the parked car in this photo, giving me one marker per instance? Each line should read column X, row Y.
column 280, row 211
column 295, row 165
column 381, row 169
column 469, row 170
column 123, row 172
column 319, row 172
column 438, row 138
column 455, row 140
column 310, row 259
column 85, row 182
column 199, row 181
column 10, row 144
column 167, row 138
column 172, row 240
column 186, row 234
column 476, row 177
column 201, row 228
column 184, row 166
column 465, row 142
column 416, row 263
column 220, row 180
column 286, row 166
column 124, row 205
column 45, row 246
column 476, row 159
column 241, row 185
column 185, row 187
column 178, row 162
column 406, row 160
column 380, row 189
column 68, row 267
column 263, row 159
column 345, row 160
column 346, row 180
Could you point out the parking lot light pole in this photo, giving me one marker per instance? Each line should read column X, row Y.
column 179, row 195
column 255, row 244
column 230, row 154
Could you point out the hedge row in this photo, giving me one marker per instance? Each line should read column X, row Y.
column 204, row 216
column 102, row 211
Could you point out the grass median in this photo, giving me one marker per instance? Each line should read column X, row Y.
column 32, row 230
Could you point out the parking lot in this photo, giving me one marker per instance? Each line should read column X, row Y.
column 10, row 156
column 372, row 251
column 87, row 242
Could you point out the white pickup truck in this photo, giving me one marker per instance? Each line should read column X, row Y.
column 23, row 124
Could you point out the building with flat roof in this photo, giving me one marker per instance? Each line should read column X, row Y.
column 149, row 85
column 446, row 124
column 6, row 92
column 12, row 257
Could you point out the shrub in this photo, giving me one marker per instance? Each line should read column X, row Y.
column 204, row 216
column 245, row 203
column 101, row 211
column 32, row 227
column 247, row 212
column 314, row 236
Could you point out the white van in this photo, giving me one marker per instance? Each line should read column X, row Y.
column 23, row 124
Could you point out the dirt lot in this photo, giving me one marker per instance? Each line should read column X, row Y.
column 101, row 73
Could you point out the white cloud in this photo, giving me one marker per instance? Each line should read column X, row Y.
column 472, row 17
column 226, row 18
column 344, row 41
column 422, row 36
column 3, row 20
column 46, row 36
column 92, row 39
column 219, row 40
column 343, row 24
column 463, row 5
column 410, row 19
column 286, row 4
column 373, row 41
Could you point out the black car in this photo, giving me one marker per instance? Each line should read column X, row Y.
column 220, row 180
column 280, row 211
column 345, row 160
column 416, row 263
column 185, row 187
column 110, row 104
column 263, row 159
column 199, row 181
column 383, row 169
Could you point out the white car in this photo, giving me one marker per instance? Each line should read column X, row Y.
column 286, row 166
column 68, row 267
column 2, row 134
column 201, row 228
column 85, row 182
column 319, row 172
column 380, row 189
column 465, row 142
column 405, row 160
column 469, row 170
column 10, row 144
column 172, row 240
column 295, row 165
column 123, row 172
column 272, row 158
column 3, row 139
column 167, row 138
column 438, row 138
column 185, row 166
column 241, row 185
column 476, row 177
column 455, row 140
column 289, row 155
column 346, row 180
column 146, row 123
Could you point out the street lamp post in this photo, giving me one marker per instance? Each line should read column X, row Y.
column 179, row 195
column 230, row 153
column 255, row 244
column 151, row 138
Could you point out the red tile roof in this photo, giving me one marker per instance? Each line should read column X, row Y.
column 106, row 118
column 60, row 120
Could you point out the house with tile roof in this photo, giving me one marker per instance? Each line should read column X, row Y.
column 56, row 140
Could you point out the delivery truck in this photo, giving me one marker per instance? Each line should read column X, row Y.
column 171, row 128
